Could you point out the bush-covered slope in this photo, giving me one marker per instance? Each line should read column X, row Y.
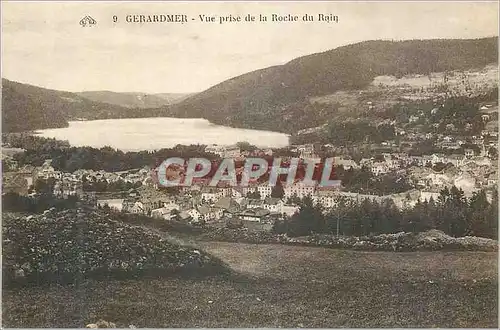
column 27, row 107
column 79, row 243
column 273, row 98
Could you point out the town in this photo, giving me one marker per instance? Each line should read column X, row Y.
column 259, row 205
column 306, row 165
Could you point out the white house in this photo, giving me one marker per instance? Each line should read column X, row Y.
column 232, row 152
column 46, row 171
column 194, row 214
column 257, row 214
column 456, row 160
column 209, row 214
column 251, row 188
column 289, row 209
column 413, row 119
column 162, row 213
column 211, row 195
column 171, row 205
column 305, row 150
column 298, row 189
column 116, row 204
column 469, row 153
column 264, row 190
column 216, row 149
column 466, row 182
column 347, row 164
column 273, row 204
column 137, row 207
column 379, row 168
column 251, row 203
column 237, row 192
column 427, row 195
column 326, row 198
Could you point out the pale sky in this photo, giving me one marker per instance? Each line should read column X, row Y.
column 43, row 43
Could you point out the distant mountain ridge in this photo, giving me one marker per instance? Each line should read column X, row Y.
column 26, row 107
column 275, row 98
column 134, row 99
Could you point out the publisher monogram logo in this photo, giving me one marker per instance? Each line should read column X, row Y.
column 87, row 21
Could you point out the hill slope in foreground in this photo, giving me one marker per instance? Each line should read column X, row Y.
column 74, row 244
column 281, row 286
column 268, row 285
column 276, row 98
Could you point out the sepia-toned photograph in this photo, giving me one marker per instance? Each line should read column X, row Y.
column 304, row 164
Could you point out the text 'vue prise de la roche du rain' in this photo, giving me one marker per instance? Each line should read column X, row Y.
column 225, row 19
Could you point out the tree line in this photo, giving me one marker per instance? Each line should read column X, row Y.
column 452, row 213
column 348, row 132
column 69, row 159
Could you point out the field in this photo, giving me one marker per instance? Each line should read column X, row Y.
column 281, row 286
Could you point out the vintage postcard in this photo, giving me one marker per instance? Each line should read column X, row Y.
column 249, row 164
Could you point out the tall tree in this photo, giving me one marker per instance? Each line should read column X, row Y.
column 478, row 215
column 278, row 191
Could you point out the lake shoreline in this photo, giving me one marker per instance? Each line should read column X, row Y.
column 154, row 133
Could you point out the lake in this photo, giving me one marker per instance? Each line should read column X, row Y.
column 160, row 132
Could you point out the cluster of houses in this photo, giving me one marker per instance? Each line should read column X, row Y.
column 207, row 205
column 67, row 184
column 255, row 203
column 226, row 204
column 233, row 151
column 392, row 162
